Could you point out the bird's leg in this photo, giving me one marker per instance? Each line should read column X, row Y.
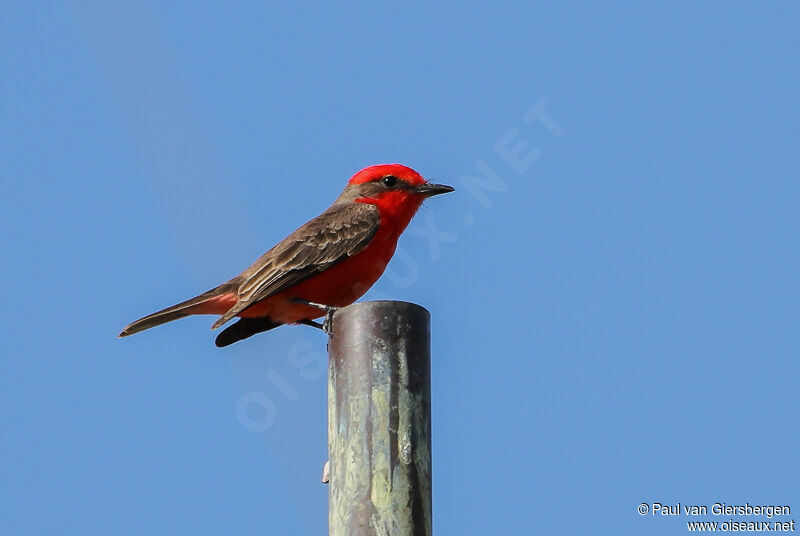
column 327, row 325
column 311, row 323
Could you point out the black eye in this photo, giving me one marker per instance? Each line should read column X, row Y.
column 390, row 181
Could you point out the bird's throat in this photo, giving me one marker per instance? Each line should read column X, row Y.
column 396, row 210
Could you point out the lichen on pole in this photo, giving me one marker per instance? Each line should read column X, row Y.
column 379, row 420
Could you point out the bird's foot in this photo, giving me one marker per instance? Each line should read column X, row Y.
column 327, row 325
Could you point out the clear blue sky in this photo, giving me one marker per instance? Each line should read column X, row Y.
column 615, row 313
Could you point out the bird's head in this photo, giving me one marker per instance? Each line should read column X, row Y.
column 397, row 190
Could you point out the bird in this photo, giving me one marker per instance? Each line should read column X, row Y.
column 327, row 263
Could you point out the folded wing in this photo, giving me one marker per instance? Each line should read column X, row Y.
column 338, row 233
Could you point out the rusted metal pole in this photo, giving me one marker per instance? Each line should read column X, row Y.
column 379, row 420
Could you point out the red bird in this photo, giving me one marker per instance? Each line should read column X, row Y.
column 328, row 263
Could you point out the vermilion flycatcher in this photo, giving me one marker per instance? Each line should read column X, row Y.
column 327, row 263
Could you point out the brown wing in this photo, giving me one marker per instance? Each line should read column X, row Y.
column 340, row 232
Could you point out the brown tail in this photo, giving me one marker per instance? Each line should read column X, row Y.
column 175, row 312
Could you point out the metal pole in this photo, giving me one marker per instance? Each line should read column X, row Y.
column 379, row 420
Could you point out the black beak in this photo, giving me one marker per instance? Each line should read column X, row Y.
column 429, row 189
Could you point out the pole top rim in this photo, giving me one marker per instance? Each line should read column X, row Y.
column 384, row 304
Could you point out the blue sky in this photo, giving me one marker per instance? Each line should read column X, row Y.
column 614, row 310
